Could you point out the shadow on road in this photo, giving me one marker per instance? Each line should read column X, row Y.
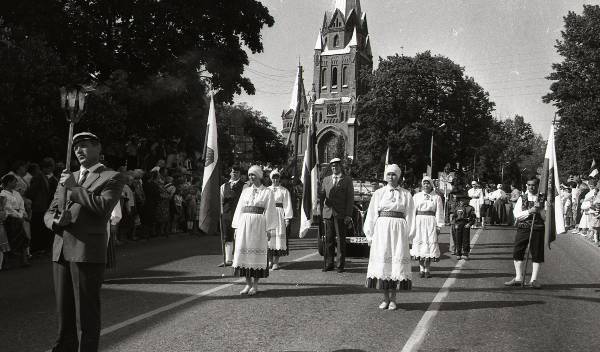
column 468, row 305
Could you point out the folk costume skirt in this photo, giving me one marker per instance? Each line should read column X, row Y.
column 250, row 255
column 278, row 245
column 425, row 243
column 389, row 259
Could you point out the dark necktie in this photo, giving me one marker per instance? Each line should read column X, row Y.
column 83, row 177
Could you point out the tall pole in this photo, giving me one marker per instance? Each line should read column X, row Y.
column 431, row 156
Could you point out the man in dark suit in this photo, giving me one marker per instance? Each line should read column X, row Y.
column 79, row 250
column 337, row 196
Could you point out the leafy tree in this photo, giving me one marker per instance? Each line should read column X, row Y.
column 266, row 144
column 408, row 98
column 143, row 56
column 576, row 89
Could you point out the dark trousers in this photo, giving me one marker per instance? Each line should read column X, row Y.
column 335, row 231
column 536, row 246
column 462, row 238
column 77, row 289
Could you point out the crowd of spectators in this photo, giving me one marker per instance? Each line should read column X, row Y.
column 160, row 201
column 581, row 207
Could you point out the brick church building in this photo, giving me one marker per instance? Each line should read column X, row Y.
column 342, row 50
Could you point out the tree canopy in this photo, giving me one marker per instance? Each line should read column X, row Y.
column 144, row 58
column 408, row 99
column 576, row 91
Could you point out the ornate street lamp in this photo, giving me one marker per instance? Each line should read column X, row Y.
column 72, row 100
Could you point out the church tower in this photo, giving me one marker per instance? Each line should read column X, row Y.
column 342, row 51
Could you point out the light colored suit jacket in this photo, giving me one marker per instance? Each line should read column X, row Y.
column 86, row 237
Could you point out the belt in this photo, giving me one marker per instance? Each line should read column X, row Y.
column 279, row 205
column 253, row 210
column 426, row 212
column 391, row 214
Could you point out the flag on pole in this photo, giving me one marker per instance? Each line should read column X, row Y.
column 309, row 179
column 298, row 104
column 387, row 160
column 209, row 211
column 550, row 187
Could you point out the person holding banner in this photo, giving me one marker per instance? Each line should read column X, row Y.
column 429, row 219
column 530, row 216
column 387, row 227
column 254, row 220
column 283, row 202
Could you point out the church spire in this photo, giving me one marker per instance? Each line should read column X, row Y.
column 345, row 6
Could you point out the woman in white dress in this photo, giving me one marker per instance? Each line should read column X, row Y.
column 387, row 227
column 254, row 218
column 476, row 196
column 429, row 218
column 283, row 202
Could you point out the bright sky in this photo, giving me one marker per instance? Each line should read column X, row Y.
column 506, row 45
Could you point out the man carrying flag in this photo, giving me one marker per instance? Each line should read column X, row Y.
column 538, row 220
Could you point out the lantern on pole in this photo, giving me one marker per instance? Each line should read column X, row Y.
column 72, row 101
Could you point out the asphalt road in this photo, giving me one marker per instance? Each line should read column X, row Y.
column 169, row 295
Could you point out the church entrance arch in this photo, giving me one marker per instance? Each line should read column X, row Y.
column 331, row 145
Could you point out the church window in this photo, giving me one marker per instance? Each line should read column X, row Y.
column 334, row 77
column 323, row 78
column 320, row 117
column 325, row 43
column 336, row 40
column 345, row 76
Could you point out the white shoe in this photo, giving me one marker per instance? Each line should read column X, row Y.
column 392, row 306
column 245, row 290
column 384, row 305
column 252, row 291
column 275, row 267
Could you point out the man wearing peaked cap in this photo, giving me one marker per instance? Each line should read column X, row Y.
column 336, row 193
column 80, row 241
column 85, row 136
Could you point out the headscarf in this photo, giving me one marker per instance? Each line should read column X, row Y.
column 256, row 170
column 273, row 173
column 393, row 168
column 428, row 179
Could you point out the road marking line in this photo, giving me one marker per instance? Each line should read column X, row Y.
column 183, row 301
column 416, row 338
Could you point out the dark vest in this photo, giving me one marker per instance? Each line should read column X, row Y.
column 526, row 205
column 231, row 196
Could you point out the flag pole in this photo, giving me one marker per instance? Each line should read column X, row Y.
column 297, row 121
column 524, row 273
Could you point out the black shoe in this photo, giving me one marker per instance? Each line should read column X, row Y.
column 513, row 282
column 536, row 285
column 422, row 274
column 428, row 274
column 340, row 270
column 328, row 268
